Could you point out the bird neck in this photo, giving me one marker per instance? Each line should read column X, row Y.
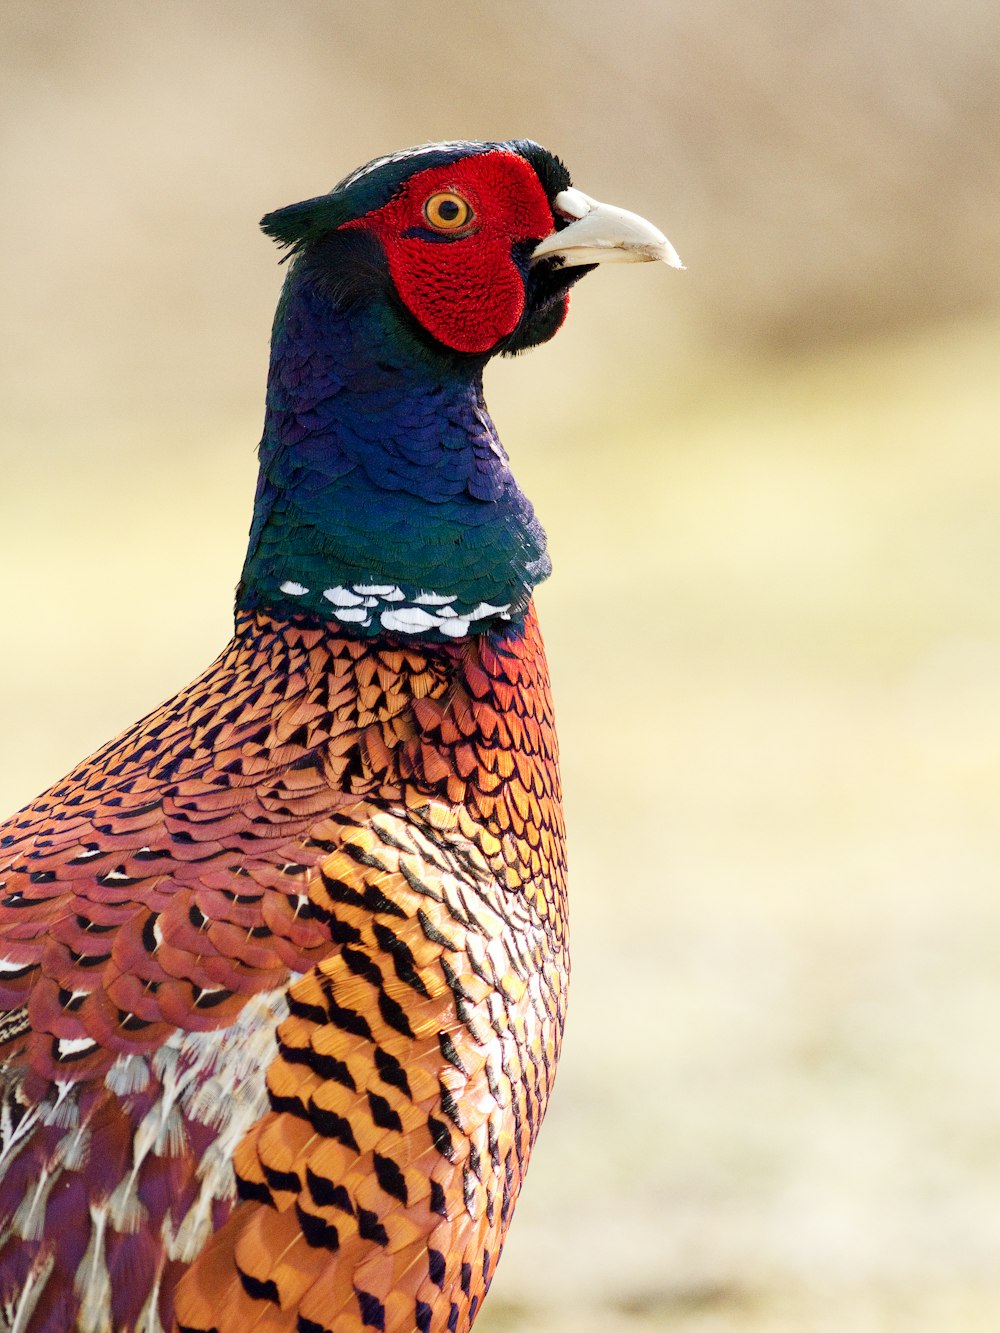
column 385, row 501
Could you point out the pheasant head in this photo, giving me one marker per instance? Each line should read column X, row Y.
column 386, row 501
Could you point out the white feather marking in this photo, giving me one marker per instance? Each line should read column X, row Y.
column 30, row 1293
column 64, row 1112
column 342, row 596
column 77, row 1147
column 127, row 1211
column 230, row 1099
column 435, row 599
column 408, row 620
column 29, row 1219
column 128, row 1074
column 453, row 628
column 149, row 1315
column 15, row 1134
column 67, row 1046
column 93, row 1282
column 293, row 589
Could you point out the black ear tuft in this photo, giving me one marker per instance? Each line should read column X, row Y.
column 551, row 170
column 298, row 225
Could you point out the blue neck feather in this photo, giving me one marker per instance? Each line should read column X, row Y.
column 384, row 493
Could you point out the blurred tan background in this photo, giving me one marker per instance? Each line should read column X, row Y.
column 771, row 485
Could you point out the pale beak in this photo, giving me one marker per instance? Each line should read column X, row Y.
column 602, row 234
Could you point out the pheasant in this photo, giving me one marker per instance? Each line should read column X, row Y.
column 283, row 967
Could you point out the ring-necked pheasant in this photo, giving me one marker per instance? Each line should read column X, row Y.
column 283, row 967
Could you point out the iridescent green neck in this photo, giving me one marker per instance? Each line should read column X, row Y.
column 385, row 501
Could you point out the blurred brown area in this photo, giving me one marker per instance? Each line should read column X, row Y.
column 771, row 484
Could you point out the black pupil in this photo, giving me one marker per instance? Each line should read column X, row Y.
column 448, row 210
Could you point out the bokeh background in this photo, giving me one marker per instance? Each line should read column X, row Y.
column 771, row 484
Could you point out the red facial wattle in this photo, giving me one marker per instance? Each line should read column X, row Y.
column 463, row 286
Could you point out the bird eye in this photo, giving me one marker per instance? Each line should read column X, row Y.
column 447, row 211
